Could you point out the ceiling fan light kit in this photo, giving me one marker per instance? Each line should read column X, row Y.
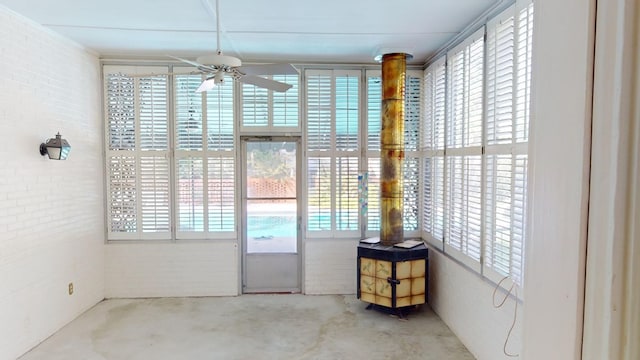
column 215, row 66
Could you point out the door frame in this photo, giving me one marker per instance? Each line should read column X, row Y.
column 244, row 140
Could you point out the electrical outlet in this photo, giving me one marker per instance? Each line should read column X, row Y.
column 70, row 288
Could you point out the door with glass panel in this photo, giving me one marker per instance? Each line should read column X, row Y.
column 271, row 219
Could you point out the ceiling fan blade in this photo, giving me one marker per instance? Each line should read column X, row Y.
column 268, row 69
column 206, row 85
column 201, row 67
column 265, row 83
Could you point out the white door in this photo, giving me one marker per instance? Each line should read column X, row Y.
column 271, row 221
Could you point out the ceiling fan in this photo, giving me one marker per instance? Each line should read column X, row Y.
column 217, row 65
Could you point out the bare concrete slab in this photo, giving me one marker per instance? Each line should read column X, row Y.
column 250, row 327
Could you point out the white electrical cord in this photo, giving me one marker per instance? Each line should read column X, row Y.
column 514, row 288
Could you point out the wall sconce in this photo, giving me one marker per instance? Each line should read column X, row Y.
column 57, row 149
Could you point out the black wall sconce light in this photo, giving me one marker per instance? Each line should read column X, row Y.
column 57, row 149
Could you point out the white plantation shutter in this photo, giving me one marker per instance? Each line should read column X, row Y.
column 464, row 206
column 347, row 206
column 412, row 142
column 188, row 112
column 286, row 107
column 221, row 193
column 433, row 131
column 524, row 32
column 122, row 206
column 507, row 104
column 255, row 106
column 155, row 194
column 374, row 101
column 333, row 158
column 267, row 110
column 220, row 125
column 138, row 204
column 463, row 183
column 373, row 196
column 205, row 160
column 319, row 195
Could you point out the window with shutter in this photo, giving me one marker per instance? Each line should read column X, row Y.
column 205, row 159
column 271, row 111
column 138, row 174
column 507, row 104
column 433, row 147
column 483, row 163
column 463, row 179
column 333, row 157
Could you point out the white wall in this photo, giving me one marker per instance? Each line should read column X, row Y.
column 611, row 277
column 330, row 266
column 171, row 269
column 464, row 301
column 562, row 72
column 51, row 212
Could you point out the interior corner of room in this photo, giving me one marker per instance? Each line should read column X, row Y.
column 242, row 152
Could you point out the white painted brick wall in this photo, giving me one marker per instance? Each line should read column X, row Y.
column 51, row 212
column 330, row 266
column 464, row 301
column 172, row 269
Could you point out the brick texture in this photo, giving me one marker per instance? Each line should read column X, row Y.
column 51, row 212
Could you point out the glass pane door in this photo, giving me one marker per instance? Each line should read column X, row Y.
column 271, row 214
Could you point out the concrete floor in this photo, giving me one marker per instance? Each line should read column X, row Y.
column 250, row 327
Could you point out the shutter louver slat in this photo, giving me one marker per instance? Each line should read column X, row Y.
column 153, row 113
column 347, row 114
column 433, row 165
column 373, row 219
column 347, row 208
column 523, row 84
column 428, row 132
column 122, row 194
column 154, row 194
column 411, row 190
column 221, row 193
column 319, row 112
column 190, row 194
column 412, row 114
column 255, row 106
column 374, row 99
column 439, row 112
column 319, row 193
column 188, row 112
column 121, row 112
column 285, row 104
column 269, row 110
column 220, row 125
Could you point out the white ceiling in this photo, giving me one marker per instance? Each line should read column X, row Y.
column 297, row 31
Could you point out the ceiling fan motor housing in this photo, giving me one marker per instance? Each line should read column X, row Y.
column 219, row 60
